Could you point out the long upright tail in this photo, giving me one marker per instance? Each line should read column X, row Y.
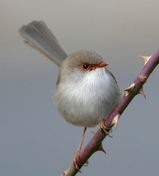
column 39, row 36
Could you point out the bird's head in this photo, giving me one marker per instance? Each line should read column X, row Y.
column 81, row 64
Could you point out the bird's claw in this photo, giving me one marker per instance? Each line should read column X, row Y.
column 76, row 160
column 104, row 128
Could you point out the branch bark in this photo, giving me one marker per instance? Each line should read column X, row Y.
column 95, row 144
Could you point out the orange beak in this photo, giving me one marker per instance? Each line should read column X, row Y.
column 101, row 64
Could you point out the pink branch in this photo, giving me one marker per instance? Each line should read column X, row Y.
column 95, row 144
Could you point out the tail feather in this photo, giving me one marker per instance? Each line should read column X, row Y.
column 39, row 36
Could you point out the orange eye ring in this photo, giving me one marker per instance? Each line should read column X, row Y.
column 92, row 66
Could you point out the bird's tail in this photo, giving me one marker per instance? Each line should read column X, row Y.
column 39, row 36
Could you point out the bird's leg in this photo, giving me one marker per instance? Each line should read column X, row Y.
column 81, row 140
column 78, row 151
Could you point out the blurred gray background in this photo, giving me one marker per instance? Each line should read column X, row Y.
column 34, row 139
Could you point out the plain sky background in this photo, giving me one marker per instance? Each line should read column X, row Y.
column 34, row 139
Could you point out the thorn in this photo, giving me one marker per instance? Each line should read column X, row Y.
column 146, row 59
column 64, row 173
column 115, row 121
column 129, row 89
column 142, row 92
column 101, row 148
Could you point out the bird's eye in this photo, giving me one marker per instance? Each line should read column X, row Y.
column 85, row 66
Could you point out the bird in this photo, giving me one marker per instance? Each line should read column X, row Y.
column 86, row 90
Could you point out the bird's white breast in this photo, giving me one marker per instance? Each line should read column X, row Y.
column 87, row 101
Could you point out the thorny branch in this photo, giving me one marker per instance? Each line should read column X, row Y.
column 95, row 144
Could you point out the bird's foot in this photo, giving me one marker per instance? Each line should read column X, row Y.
column 76, row 160
column 104, row 128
